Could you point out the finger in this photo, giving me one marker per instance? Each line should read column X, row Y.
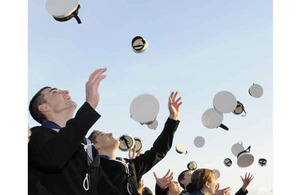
column 174, row 98
column 139, row 153
column 251, row 176
column 171, row 95
column 178, row 106
column 96, row 74
column 171, row 176
column 170, row 101
column 155, row 175
column 99, row 79
column 93, row 74
column 167, row 173
column 99, row 74
column 242, row 178
column 170, row 179
column 176, row 102
column 134, row 151
column 129, row 154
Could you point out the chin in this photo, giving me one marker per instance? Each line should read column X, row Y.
column 74, row 105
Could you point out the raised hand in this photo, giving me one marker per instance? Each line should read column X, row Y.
column 224, row 191
column 174, row 105
column 132, row 153
column 246, row 181
column 164, row 181
column 91, row 87
column 140, row 187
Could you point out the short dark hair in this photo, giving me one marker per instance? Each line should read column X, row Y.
column 147, row 191
column 35, row 102
column 181, row 177
column 92, row 137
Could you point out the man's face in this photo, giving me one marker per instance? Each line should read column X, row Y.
column 187, row 178
column 105, row 141
column 174, row 188
column 58, row 100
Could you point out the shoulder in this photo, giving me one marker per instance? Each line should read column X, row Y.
column 41, row 134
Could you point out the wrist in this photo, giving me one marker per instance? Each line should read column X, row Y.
column 244, row 187
column 174, row 117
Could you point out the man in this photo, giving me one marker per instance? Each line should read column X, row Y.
column 57, row 152
column 184, row 179
column 127, row 173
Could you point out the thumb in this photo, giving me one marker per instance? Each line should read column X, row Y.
column 155, row 175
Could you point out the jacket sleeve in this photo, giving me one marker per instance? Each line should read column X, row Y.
column 160, row 147
column 51, row 151
column 241, row 192
column 159, row 191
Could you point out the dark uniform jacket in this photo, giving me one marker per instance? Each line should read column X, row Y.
column 127, row 177
column 159, row 191
column 241, row 192
column 58, row 162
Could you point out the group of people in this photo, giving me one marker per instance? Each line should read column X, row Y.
column 62, row 161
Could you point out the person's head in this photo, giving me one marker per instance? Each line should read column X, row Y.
column 147, row 191
column 174, row 188
column 184, row 178
column 50, row 101
column 103, row 141
column 204, row 180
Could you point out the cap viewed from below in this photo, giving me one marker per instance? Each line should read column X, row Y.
column 227, row 162
column 126, row 142
column 199, row 141
column 256, row 91
column 244, row 157
column 211, row 118
column 153, row 125
column 138, row 144
column 262, row 162
column 144, row 109
column 63, row 10
column 139, row 44
column 224, row 102
column 181, row 149
column 192, row 165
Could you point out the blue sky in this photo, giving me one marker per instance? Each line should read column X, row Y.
column 198, row 48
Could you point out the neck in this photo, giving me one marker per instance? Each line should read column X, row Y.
column 60, row 118
column 205, row 192
column 109, row 152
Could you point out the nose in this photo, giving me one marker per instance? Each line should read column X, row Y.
column 109, row 134
column 66, row 92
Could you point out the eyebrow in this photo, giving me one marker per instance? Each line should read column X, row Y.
column 52, row 89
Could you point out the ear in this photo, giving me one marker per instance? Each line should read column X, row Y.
column 43, row 108
column 207, row 184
